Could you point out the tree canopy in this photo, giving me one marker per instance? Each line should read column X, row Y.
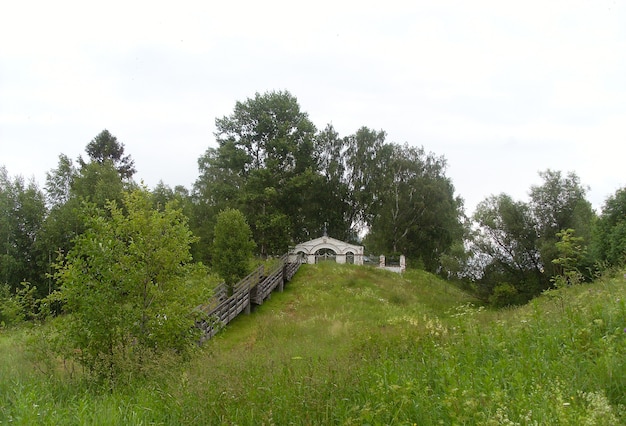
column 22, row 213
column 274, row 180
column 610, row 231
column 122, row 285
column 290, row 180
column 233, row 246
column 105, row 147
column 517, row 242
column 265, row 155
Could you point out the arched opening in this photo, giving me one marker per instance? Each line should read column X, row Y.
column 301, row 256
column 325, row 254
column 327, row 248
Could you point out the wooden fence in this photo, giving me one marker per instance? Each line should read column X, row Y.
column 255, row 288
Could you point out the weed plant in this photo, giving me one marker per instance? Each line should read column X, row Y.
column 353, row 345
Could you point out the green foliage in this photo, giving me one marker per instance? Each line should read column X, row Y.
column 105, row 148
column 570, row 251
column 22, row 212
column 232, row 247
column 516, row 242
column 364, row 165
column 265, row 151
column 98, row 183
column 507, row 236
column 504, row 295
column 162, row 194
column 349, row 345
column 21, row 304
column 331, row 198
column 610, row 231
column 11, row 311
column 123, row 288
column 416, row 213
column 59, row 181
column 291, row 184
column 103, row 179
column 559, row 204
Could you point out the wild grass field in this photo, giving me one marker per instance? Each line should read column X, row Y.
column 352, row 345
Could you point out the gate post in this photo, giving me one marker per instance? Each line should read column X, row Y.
column 281, row 283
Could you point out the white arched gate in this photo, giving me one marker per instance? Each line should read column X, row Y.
column 344, row 252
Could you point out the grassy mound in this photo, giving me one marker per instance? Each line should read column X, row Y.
column 355, row 345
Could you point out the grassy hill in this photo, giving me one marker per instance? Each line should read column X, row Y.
column 355, row 345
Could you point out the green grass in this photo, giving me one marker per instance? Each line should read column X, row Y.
column 354, row 345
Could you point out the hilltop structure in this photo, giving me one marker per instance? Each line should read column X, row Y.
column 327, row 247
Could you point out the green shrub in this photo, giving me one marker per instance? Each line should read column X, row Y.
column 10, row 308
column 503, row 295
column 325, row 352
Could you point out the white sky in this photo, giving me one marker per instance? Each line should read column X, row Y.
column 502, row 89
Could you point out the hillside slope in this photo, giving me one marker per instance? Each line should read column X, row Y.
column 355, row 345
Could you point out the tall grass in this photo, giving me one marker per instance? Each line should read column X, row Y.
column 354, row 345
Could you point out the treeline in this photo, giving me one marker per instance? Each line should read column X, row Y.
column 518, row 249
column 291, row 180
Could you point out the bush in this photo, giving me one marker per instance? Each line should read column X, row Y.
column 125, row 290
column 504, row 295
column 15, row 308
column 233, row 246
column 10, row 309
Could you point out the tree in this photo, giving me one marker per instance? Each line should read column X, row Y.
column 364, row 170
column 123, row 288
column 290, row 182
column 309, row 201
column 102, row 179
column 272, row 133
column 265, row 150
column 416, row 212
column 98, row 183
column 557, row 205
column 105, row 147
column 516, row 242
column 162, row 194
column 59, row 182
column 332, row 195
column 22, row 212
column 507, row 237
column 232, row 247
column 570, row 253
column 67, row 190
column 609, row 236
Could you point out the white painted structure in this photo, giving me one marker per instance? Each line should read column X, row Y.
column 400, row 268
column 344, row 252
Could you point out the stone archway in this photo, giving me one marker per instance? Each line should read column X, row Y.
column 343, row 251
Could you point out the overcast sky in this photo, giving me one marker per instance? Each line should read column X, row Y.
column 501, row 89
